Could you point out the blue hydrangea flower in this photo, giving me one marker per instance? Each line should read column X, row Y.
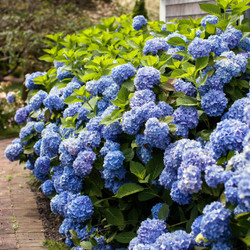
column 122, row 72
column 147, row 78
column 215, row 175
column 177, row 240
column 92, row 87
column 37, row 100
column 144, row 154
column 11, row 97
column 39, row 126
column 94, row 124
column 90, row 139
column 157, row 133
column 109, row 146
column 138, row 22
column 62, row 73
column 165, row 108
column 228, row 135
column 246, row 117
column 13, row 151
column 209, row 19
column 175, row 34
column 80, row 208
column 195, row 228
column 199, row 48
column 69, row 89
column 58, row 64
column 187, row 116
column 181, row 130
column 110, row 93
column 50, row 144
column 244, row 44
column 150, row 230
column 53, row 101
column 168, row 177
column 236, row 111
column 218, row 46
column 21, row 115
column 214, row 103
column 111, row 131
column 42, row 164
column 155, row 45
column 40, row 176
column 142, row 97
column 222, row 245
column 232, row 37
column 27, row 130
column 29, row 80
column 37, row 147
column 186, row 87
column 30, row 165
column 231, row 189
column 215, row 222
column 48, row 187
column 83, row 163
column 113, row 160
column 178, row 196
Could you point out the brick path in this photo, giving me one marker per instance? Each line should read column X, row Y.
column 20, row 227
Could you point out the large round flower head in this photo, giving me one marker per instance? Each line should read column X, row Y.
column 232, row 37
column 21, row 115
column 48, row 187
column 244, row 187
column 236, row 111
column 104, row 82
column 165, row 108
column 209, row 19
column 228, row 135
column 112, row 131
column 151, row 110
column 27, row 130
column 178, row 196
column 83, row 163
column 199, row 48
column 168, row 177
column 214, row 103
column 92, row 87
column 187, row 116
column 195, row 228
column 122, row 72
column 246, row 118
column 110, row 93
column 190, row 179
column 40, row 176
column 231, row 189
column 186, row 87
column 51, row 128
column 37, row 100
column 132, row 121
column 244, row 44
column 138, row 22
column 42, row 164
column 215, row 222
column 90, row 139
column 113, row 160
column 155, row 45
column 29, row 80
column 70, row 181
column 222, row 245
column 94, row 124
column 13, row 151
column 53, row 101
column 150, row 230
column 215, row 175
column 69, row 89
column 218, row 46
column 147, row 77
column 50, row 144
column 10, row 97
column 58, row 203
column 142, row 97
column 157, row 133
column 80, row 208
column 62, row 73
column 177, row 240
column 71, row 145
column 37, row 147
column 144, row 154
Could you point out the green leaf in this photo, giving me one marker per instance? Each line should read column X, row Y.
column 186, row 101
column 128, row 189
column 125, row 237
column 211, row 9
column 93, row 242
column 86, row 245
column 168, row 119
column 210, row 28
column 114, row 216
column 137, row 169
column 178, row 73
column 129, row 85
column 128, row 154
column 148, row 194
column 163, row 212
column 205, row 134
column 155, row 166
column 201, row 63
column 176, row 41
column 46, row 58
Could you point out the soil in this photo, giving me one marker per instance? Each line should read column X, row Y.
column 51, row 222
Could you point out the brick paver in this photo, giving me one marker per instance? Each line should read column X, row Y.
column 20, row 227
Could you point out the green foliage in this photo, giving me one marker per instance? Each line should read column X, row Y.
column 140, row 9
column 52, row 245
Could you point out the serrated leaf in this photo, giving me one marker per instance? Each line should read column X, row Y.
column 128, row 189
column 114, row 216
column 137, row 169
column 211, row 9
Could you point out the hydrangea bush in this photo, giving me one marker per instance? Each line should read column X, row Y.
column 140, row 135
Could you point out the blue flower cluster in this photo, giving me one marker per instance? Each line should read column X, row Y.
column 139, row 22
column 29, row 80
column 11, row 97
column 155, row 45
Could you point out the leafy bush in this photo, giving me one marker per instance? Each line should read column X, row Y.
column 141, row 135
